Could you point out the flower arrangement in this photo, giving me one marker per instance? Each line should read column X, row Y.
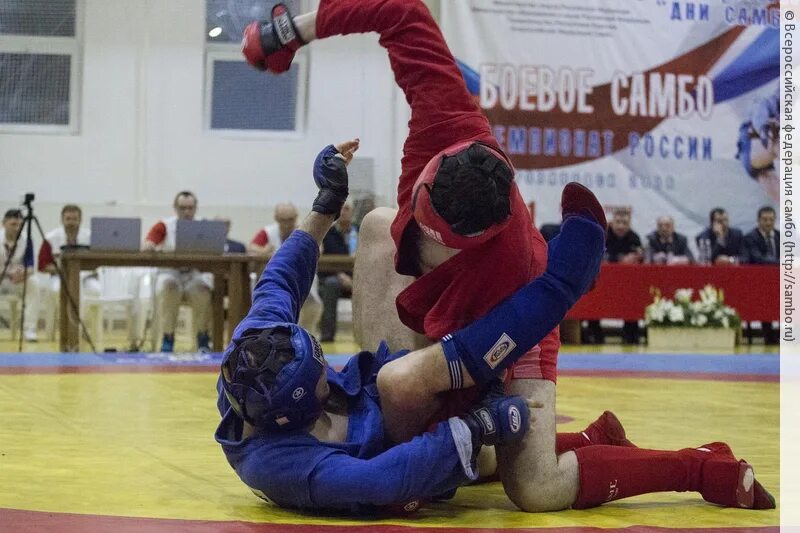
column 709, row 311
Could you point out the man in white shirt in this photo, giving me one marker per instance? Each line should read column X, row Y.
column 68, row 234
column 16, row 274
column 177, row 285
column 269, row 239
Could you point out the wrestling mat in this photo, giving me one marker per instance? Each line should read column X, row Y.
column 124, row 443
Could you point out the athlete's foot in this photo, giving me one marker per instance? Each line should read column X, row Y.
column 577, row 200
column 607, row 430
column 729, row 482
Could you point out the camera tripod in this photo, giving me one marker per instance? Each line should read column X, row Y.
column 28, row 220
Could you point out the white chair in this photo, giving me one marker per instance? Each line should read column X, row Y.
column 344, row 310
column 13, row 304
column 119, row 289
column 49, row 298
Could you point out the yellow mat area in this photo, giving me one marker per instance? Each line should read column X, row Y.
column 142, row 445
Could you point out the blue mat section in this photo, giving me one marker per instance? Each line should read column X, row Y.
column 120, row 358
column 762, row 364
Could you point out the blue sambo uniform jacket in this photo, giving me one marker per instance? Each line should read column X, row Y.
column 295, row 469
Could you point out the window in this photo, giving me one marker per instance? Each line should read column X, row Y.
column 227, row 19
column 39, row 65
column 241, row 100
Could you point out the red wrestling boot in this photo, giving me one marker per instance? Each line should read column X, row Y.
column 607, row 430
column 577, row 199
column 731, row 483
column 608, row 473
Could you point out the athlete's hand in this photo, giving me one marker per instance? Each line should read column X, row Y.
column 330, row 175
column 271, row 45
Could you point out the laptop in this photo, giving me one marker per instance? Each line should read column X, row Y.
column 200, row 236
column 116, row 234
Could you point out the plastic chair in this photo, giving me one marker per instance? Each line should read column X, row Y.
column 13, row 303
column 119, row 289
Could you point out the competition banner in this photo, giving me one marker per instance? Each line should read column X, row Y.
column 664, row 107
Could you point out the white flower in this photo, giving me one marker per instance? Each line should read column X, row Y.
column 655, row 311
column 708, row 294
column 676, row 314
column 684, row 295
column 706, row 311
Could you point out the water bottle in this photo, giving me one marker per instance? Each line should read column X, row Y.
column 704, row 248
column 352, row 242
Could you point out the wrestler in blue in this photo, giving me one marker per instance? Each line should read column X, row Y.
column 305, row 436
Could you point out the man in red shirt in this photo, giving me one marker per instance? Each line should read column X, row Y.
column 177, row 285
column 464, row 232
column 69, row 233
column 269, row 238
column 267, row 241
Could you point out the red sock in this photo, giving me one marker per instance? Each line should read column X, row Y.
column 610, row 473
column 570, row 441
column 564, row 443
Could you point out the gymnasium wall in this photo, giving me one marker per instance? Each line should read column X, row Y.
column 141, row 135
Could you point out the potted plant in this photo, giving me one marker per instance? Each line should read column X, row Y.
column 685, row 323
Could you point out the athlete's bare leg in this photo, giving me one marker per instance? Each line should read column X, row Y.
column 534, row 478
column 376, row 285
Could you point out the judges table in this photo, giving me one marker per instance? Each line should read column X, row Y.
column 235, row 268
column 623, row 291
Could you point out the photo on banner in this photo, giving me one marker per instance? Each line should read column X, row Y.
column 668, row 106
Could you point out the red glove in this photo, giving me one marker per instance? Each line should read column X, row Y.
column 271, row 45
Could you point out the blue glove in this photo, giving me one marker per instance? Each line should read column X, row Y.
column 330, row 175
column 497, row 419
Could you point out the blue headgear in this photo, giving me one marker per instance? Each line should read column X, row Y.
column 291, row 402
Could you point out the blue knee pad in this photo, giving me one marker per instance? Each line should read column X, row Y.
column 494, row 342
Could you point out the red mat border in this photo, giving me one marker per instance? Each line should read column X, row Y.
column 21, row 521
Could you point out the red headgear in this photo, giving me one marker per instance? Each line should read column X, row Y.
column 430, row 222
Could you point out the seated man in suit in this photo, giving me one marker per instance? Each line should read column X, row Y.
column 623, row 245
column 665, row 246
column 762, row 247
column 719, row 243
